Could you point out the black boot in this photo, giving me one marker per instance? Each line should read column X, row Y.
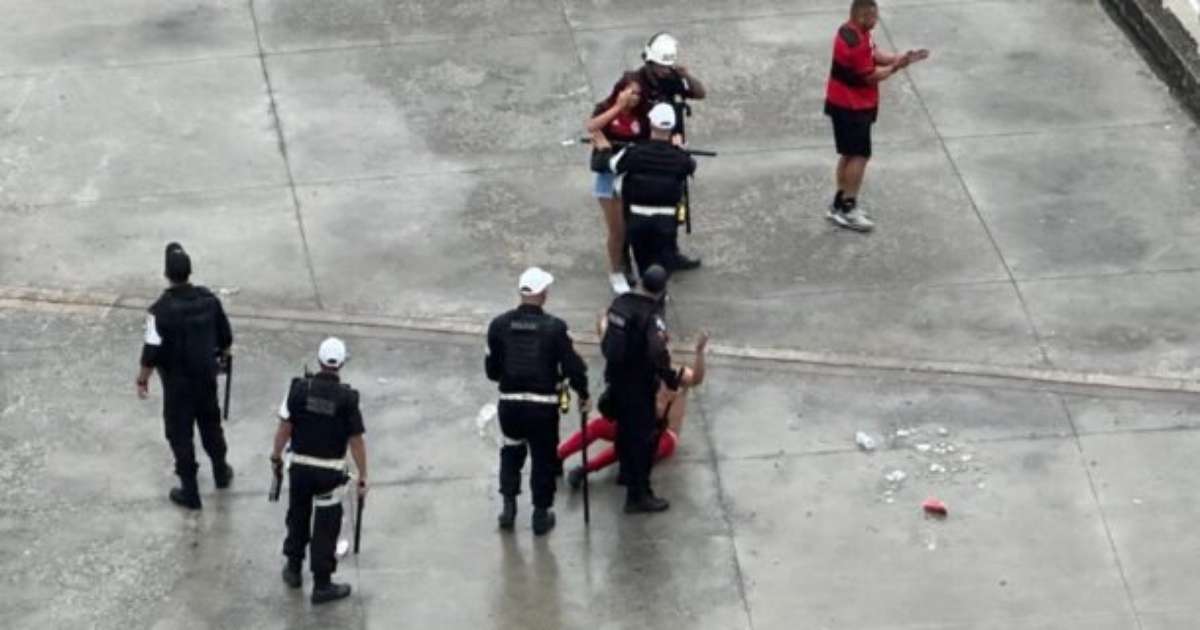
column 647, row 503
column 576, row 476
column 543, row 521
column 683, row 263
column 222, row 475
column 291, row 573
column 509, row 515
column 325, row 591
column 187, row 494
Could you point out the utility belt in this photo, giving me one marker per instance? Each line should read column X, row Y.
column 653, row 211
column 319, row 462
column 543, row 399
column 334, row 496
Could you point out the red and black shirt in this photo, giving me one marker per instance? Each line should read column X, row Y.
column 627, row 127
column 848, row 93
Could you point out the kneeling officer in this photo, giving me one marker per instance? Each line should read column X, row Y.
column 529, row 353
column 320, row 416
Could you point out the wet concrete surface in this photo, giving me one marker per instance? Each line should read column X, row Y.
column 385, row 159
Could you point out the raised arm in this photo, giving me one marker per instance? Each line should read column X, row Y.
column 698, row 366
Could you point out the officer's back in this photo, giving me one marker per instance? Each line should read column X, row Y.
column 525, row 355
column 655, row 172
column 325, row 414
column 633, row 345
column 529, row 351
column 192, row 327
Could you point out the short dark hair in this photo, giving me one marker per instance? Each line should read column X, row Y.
column 859, row 5
column 654, row 279
column 178, row 265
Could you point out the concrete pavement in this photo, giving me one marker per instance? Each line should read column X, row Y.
column 380, row 170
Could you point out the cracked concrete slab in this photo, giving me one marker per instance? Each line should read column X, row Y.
column 309, row 24
column 1082, row 208
column 429, row 107
column 50, row 35
column 1041, row 562
column 1008, row 67
column 104, row 245
column 78, row 136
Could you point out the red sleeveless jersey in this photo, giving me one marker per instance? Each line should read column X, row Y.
column 847, row 91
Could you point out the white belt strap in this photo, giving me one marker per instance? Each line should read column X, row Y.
column 651, row 211
column 547, row 399
column 330, row 464
column 332, row 498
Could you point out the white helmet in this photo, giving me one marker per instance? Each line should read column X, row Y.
column 662, row 49
column 332, row 353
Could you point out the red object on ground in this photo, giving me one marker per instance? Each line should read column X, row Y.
column 935, row 507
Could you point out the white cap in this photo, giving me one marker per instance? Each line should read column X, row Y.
column 535, row 280
column 662, row 116
column 662, row 49
column 332, row 353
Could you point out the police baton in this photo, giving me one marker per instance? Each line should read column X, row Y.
column 228, row 382
column 358, row 512
column 276, row 482
column 692, row 152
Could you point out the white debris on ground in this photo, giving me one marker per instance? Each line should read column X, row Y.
column 228, row 291
column 865, row 441
column 933, row 457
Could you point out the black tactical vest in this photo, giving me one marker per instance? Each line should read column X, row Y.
column 188, row 323
column 529, row 361
column 320, row 416
column 655, row 173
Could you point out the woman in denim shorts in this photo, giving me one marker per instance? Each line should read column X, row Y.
column 616, row 121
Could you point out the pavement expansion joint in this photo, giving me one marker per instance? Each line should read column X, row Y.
column 101, row 303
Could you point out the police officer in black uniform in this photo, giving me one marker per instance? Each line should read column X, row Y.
column 529, row 354
column 320, row 417
column 664, row 80
column 637, row 361
column 654, row 174
column 187, row 340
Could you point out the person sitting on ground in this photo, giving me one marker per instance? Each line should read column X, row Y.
column 670, row 408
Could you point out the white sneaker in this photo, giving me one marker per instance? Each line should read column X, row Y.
column 618, row 282
column 852, row 220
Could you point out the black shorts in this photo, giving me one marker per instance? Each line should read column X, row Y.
column 852, row 136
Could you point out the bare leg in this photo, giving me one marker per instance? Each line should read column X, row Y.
column 856, row 169
column 614, row 221
column 841, row 173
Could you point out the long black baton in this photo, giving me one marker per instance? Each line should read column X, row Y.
column 587, row 505
column 228, row 382
column 687, row 207
column 362, row 500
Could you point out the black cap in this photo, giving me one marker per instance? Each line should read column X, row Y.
column 654, row 279
column 178, row 265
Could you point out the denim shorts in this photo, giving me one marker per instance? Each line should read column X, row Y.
column 603, row 188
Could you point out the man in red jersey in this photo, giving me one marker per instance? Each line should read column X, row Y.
column 852, row 102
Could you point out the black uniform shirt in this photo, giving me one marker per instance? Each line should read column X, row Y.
column 650, row 361
column 669, row 89
column 655, row 172
column 324, row 415
column 528, row 349
column 185, row 329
